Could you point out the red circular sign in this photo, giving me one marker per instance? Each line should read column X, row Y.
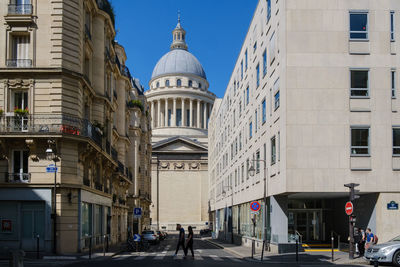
column 255, row 206
column 348, row 208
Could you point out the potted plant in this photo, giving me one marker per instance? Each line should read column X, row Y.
column 21, row 112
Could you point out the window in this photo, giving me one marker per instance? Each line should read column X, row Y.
column 247, row 95
column 258, row 161
column 255, row 120
column 265, row 62
column 167, row 83
column 20, row 166
column 273, row 150
column 254, row 47
column 242, row 173
column 359, row 25
column 396, row 141
column 268, row 10
column 178, row 117
column 258, row 74
column 264, row 111
column 245, row 59
column 20, row 7
column 393, row 79
column 158, row 84
column 276, row 100
column 190, row 83
column 200, row 85
column 359, row 83
column 241, row 70
column 188, row 117
column 392, row 26
column 178, row 82
column 250, row 130
column 360, row 141
column 240, row 141
column 169, row 117
column 272, row 49
column 19, row 57
column 247, row 168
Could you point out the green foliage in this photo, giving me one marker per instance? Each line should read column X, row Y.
column 136, row 103
column 1, row 112
column 21, row 112
column 107, row 7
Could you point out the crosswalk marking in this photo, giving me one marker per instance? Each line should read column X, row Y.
column 233, row 258
column 215, row 257
column 122, row 257
column 159, row 257
column 140, row 258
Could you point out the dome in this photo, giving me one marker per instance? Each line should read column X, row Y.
column 178, row 61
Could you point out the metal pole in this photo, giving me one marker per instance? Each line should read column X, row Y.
column 90, row 247
column 232, row 240
column 351, row 233
column 297, row 249
column 332, row 245
column 55, row 209
column 265, row 208
column 158, row 195
column 104, row 245
column 37, row 247
column 253, row 242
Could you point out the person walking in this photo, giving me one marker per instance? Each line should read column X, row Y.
column 369, row 238
column 181, row 239
column 361, row 245
column 189, row 242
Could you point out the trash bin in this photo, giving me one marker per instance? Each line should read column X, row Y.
column 17, row 258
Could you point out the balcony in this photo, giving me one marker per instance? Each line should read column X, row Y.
column 44, row 124
column 108, row 56
column 121, row 167
column 114, row 154
column 19, row 178
column 125, row 71
column 19, row 63
column 19, row 9
column 98, row 186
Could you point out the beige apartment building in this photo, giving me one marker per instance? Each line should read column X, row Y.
column 314, row 94
column 68, row 99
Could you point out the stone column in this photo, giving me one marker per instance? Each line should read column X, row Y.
column 158, row 113
column 173, row 119
column 191, row 113
column 205, row 115
column 183, row 119
column 166, row 113
column 198, row 114
column 152, row 115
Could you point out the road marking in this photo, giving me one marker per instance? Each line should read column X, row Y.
column 121, row 257
column 199, row 250
column 140, row 258
column 159, row 257
column 198, row 257
column 215, row 257
column 233, row 258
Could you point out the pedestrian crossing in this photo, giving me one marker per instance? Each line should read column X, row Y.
column 165, row 255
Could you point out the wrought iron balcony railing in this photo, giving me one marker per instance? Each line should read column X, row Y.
column 50, row 123
column 19, row 178
column 19, row 9
column 19, row 63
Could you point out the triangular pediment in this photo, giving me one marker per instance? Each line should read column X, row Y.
column 179, row 144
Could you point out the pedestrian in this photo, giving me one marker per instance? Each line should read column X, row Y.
column 189, row 241
column 181, row 239
column 369, row 238
column 361, row 245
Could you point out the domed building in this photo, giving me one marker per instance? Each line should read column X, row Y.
column 180, row 108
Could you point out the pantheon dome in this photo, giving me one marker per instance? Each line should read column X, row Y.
column 179, row 98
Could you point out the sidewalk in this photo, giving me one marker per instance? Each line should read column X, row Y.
column 303, row 257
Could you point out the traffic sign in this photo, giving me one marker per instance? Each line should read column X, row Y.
column 51, row 168
column 137, row 212
column 348, row 208
column 255, row 206
column 136, row 237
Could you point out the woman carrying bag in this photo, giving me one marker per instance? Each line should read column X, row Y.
column 189, row 241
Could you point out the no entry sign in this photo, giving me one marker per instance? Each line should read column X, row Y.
column 348, row 208
column 255, row 206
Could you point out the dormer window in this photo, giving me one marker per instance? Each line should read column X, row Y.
column 179, row 82
column 190, row 83
column 157, row 84
column 167, row 83
column 200, row 85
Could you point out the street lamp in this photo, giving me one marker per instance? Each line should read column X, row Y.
column 51, row 155
column 251, row 171
column 226, row 222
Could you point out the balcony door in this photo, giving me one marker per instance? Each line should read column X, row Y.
column 20, row 166
column 20, row 100
column 20, row 52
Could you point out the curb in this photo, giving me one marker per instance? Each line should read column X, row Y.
column 227, row 249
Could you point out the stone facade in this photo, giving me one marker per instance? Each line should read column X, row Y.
column 294, row 100
column 64, row 86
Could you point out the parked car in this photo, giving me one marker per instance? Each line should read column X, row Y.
column 150, row 236
column 205, row 232
column 161, row 235
column 388, row 252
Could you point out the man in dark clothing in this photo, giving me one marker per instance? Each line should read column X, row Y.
column 181, row 238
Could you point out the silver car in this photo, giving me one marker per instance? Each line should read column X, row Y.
column 150, row 236
column 386, row 252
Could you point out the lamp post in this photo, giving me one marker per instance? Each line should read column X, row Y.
column 226, row 226
column 51, row 154
column 251, row 172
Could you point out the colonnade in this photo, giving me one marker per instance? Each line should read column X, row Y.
column 195, row 115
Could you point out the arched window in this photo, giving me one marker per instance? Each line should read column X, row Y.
column 178, row 82
column 200, row 85
column 190, row 83
column 158, row 84
column 167, row 83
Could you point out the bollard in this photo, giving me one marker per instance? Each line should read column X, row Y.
column 90, row 247
column 252, row 248
column 262, row 251
column 104, row 245
column 37, row 247
column 297, row 250
column 107, row 236
column 332, row 244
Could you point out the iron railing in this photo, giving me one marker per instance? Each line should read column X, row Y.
column 19, row 178
column 50, row 123
column 19, row 63
column 125, row 71
column 114, row 154
column 121, row 167
column 19, row 9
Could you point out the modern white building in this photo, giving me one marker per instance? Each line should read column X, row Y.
column 314, row 93
column 180, row 108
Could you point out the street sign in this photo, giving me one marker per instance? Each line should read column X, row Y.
column 348, row 208
column 51, row 168
column 255, row 206
column 137, row 212
column 392, row 205
column 136, row 238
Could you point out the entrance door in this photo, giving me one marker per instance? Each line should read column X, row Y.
column 33, row 225
column 307, row 223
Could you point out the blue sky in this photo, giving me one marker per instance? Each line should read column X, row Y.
column 215, row 32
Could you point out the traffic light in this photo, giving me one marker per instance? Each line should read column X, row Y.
column 353, row 195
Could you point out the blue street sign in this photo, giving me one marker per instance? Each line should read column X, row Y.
column 51, row 168
column 136, row 238
column 137, row 212
column 392, row 205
